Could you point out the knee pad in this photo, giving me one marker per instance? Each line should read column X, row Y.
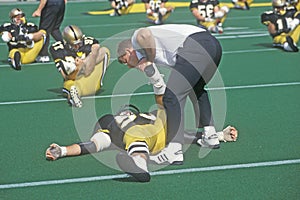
column 101, row 140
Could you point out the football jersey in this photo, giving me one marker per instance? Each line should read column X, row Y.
column 154, row 4
column 61, row 51
column 205, row 8
column 16, row 31
column 280, row 21
column 168, row 38
column 146, row 127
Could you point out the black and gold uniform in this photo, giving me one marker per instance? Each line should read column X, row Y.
column 156, row 10
column 18, row 34
column 64, row 53
column 127, row 128
column 283, row 25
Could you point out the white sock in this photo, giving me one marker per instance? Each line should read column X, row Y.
column 140, row 162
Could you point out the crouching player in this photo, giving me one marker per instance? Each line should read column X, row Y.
column 24, row 39
column 82, row 62
column 140, row 134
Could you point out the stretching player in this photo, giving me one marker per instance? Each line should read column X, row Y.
column 81, row 62
column 283, row 25
column 157, row 11
column 121, row 7
column 24, row 39
column 209, row 14
column 139, row 134
column 242, row 4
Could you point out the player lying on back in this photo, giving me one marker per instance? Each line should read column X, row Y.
column 283, row 25
column 82, row 62
column 137, row 135
column 24, row 39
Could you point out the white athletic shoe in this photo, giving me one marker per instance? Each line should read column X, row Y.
column 172, row 154
column 209, row 138
column 42, row 59
column 74, row 97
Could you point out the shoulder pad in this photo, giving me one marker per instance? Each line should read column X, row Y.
column 30, row 24
column 6, row 24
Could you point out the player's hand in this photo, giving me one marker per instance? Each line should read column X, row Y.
column 53, row 152
column 230, row 134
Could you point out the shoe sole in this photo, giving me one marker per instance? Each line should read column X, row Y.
column 215, row 146
column 127, row 164
column 75, row 97
column 17, row 60
column 291, row 44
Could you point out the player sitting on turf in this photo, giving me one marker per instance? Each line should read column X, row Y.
column 157, row 11
column 242, row 4
column 24, row 39
column 209, row 14
column 121, row 7
column 140, row 134
column 81, row 62
column 283, row 25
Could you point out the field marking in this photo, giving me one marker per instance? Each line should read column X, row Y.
column 151, row 93
column 113, row 59
column 157, row 173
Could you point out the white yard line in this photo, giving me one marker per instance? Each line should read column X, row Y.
column 151, row 93
column 157, row 173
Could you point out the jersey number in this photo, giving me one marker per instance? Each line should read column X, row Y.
column 206, row 11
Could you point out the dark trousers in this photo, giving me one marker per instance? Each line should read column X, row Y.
column 196, row 63
column 51, row 19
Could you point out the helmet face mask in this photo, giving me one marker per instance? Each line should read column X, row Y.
column 17, row 16
column 72, row 36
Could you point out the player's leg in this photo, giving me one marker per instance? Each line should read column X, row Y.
column 32, row 53
column 134, row 161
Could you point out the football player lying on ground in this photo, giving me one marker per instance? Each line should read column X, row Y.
column 139, row 134
column 82, row 63
column 24, row 39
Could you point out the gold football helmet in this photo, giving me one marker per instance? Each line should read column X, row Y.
column 279, row 6
column 15, row 12
column 72, row 35
column 278, row 3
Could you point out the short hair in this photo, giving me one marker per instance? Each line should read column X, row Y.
column 123, row 45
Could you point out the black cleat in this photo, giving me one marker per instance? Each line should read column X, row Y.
column 290, row 41
column 17, row 61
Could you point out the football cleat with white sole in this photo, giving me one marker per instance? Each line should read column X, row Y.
column 129, row 166
column 289, row 45
column 172, row 154
column 74, row 97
